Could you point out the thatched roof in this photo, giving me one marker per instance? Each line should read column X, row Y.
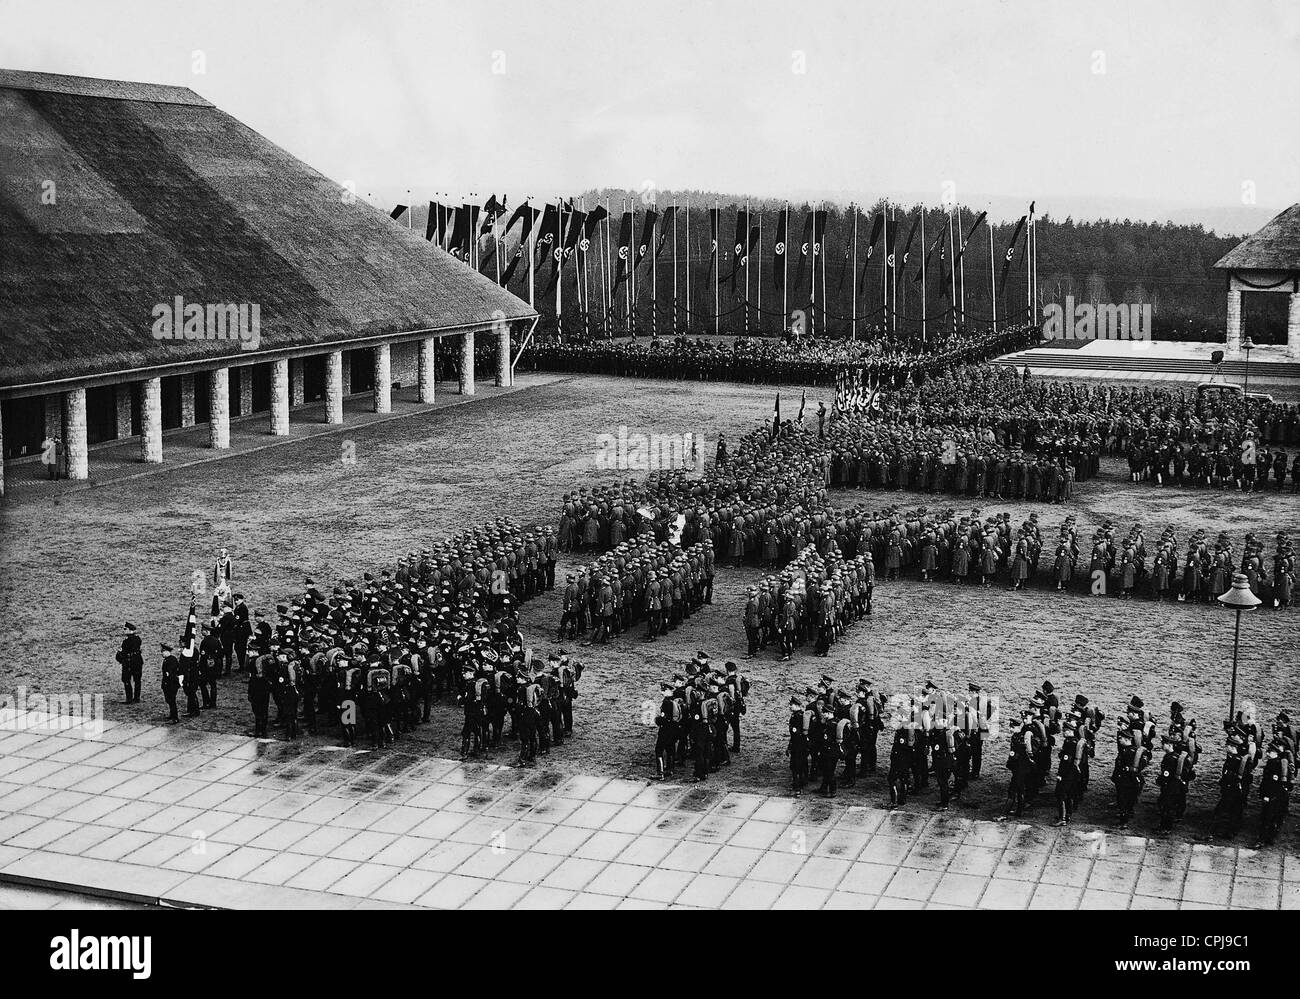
column 1276, row 247
column 159, row 194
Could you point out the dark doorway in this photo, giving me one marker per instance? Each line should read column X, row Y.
column 363, row 369
column 24, row 425
column 261, row 388
column 313, row 378
column 101, row 414
column 236, row 393
column 171, row 402
column 1263, row 317
column 203, row 397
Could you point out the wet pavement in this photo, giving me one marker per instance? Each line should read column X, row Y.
column 154, row 815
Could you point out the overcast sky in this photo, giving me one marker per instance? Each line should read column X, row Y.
column 1081, row 102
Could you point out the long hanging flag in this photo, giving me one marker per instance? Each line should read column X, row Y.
column 491, row 210
column 907, row 249
column 821, row 219
column 459, row 244
column 560, row 255
column 804, row 247
column 714, row 216
column 665, row 227
column 891, row 241
column 444, row 217
column 647, row 233
column 778, row 251
column 398, row 212
column 929, row 253
column 529, row 215
column 871, row 245
column 548, row 232
column 431, row 222
column 624, row 248
column 848, row 250
column 776, row 418
column 961, row 250
column 190, row 640
column 1011, row 250
column 738, row 244
column 594, row 218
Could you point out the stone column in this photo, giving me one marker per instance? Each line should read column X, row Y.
column 246, row 390
column 54, row 415
column 428, row 368
column 122, row 396
column 1293, row 326
column 187, row 400
column 219, row 409
column 74, row 426
column 295, row 382
column 1234, row 319
column 467, row 363
column 334, row 387
column 151, row 420
column 280, row 397
column 347, row 373
column 383, row 378
column 504, row 375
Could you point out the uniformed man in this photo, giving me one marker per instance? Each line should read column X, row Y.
column 171, row 681
column 131, row 659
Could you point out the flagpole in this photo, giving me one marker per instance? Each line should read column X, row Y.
column 759, row 317
column 688, row 267
column 603, row 225
column 993, row 283
column 952, row 274
column 785, row 272
column 884, row 269
column 559, row 269
column 924, row 254
column 894, row 276
column 853, row 277
column 821, row 252
column 631, row 268
column 812, row 308
column 654, row 274
column 674, row 271
column 717, row 260
column 961, row 263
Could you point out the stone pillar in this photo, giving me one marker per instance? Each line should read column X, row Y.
column 295, row 382
column 383, row 378
column 219, row 409
column 1293, row 326
column 334, row 387
column 54, row 415
column 187, row 400
column 504, row 375
column 428, row 368
column 151, row 420
column 347, row 373
column 122, row 396
column 280, row 397
column 246, row 390
column 467, row 363
column 1234, row 319
column 74, row 426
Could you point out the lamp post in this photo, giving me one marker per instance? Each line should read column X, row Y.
column 1247, row 345
column 1239, row 598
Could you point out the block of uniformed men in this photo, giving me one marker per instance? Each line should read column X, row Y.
column 875, row 359
column 698, row 718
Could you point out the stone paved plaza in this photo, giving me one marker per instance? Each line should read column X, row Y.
column 170, row 815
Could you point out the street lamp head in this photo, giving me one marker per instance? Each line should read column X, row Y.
column 1248, row 344
column 1239, row 597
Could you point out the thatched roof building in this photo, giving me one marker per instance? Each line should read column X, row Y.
column 117, row 199
column 1268, row 261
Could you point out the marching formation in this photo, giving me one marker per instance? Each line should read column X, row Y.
column 811, row 597
column 882, row 359
column 372, row 655
column 698, row 718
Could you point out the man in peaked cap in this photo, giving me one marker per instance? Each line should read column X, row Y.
column 131, row 660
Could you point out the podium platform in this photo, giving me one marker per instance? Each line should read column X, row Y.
column 1153, row 360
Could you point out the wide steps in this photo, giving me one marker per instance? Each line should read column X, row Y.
column 1170, row 365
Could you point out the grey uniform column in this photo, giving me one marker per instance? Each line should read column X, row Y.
column 428, row 374
column 505, row 374
column 1234, row 318
column 74, row 428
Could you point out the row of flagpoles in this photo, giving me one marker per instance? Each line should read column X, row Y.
column 610, row 267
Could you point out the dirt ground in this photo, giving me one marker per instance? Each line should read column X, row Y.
column 76, row 567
